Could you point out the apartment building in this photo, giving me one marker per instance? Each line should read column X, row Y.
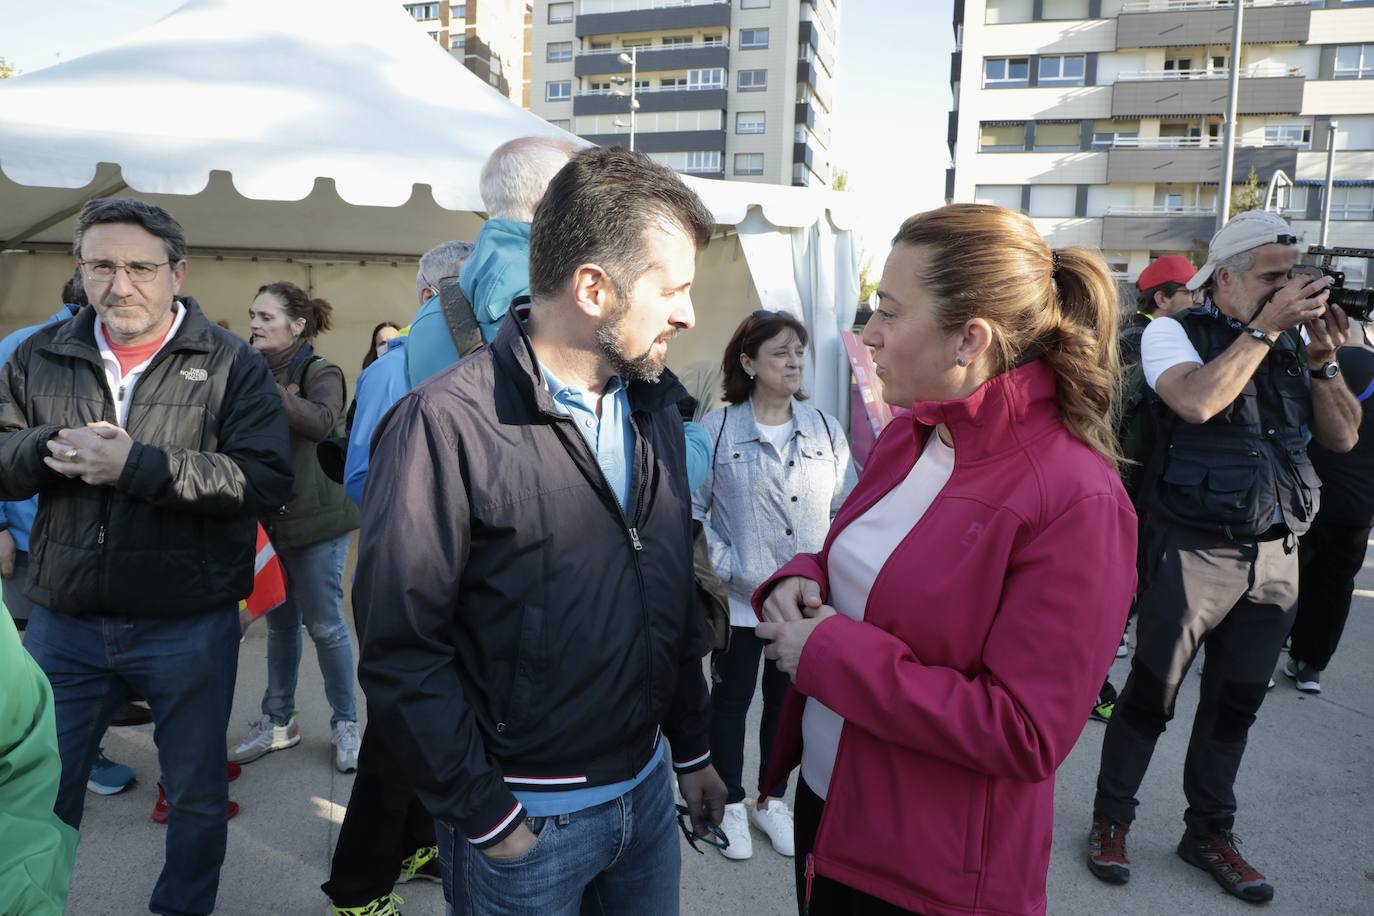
column 1103, row 119
column 732, row 89
column 490, row 37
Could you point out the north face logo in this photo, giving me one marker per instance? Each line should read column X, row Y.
column 195, row 375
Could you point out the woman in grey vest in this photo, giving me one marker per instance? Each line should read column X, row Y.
column 310, row 533
column 780, row 472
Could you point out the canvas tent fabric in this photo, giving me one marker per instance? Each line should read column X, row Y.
column 330, row 143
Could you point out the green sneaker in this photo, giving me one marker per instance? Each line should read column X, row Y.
column 382, row 906
column 1102, row 712
column 422, row 863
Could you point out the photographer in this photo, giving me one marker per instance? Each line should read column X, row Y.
column 1238, row 382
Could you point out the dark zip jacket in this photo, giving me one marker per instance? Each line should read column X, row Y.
column 519, row 630
column 176, row 534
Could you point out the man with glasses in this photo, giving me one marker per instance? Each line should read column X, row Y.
column 155, row 439
column 1238, row 378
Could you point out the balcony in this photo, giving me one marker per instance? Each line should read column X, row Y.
column 1158, row 228
column 667, row 141
column 1180, row 23
column 956, row 63
column 1189, row 160
column 949, row 184
column 805, row 114
column 618, row 17
column 801, row 153
column 600, row 101
column 1167, row 93
column 649, row 60
column 810, row 35
column 953, row 134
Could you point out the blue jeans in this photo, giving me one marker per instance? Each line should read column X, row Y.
column 314, row 596
column 622, row 858
column 185, row 668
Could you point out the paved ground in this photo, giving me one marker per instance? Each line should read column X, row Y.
column 1307, row 815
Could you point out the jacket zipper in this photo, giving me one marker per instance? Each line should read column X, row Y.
column 810, row 876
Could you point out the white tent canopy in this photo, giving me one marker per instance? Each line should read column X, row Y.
column 338, row 137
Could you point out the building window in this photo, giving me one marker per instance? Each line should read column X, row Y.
column 457, row 44
column 753, row 39
column 1002, row 138
column 1298, row 135
column 673, row 41
column 673, row 82
column 752, row 80
column 754, row 4
column 1056, row 138
column 598, row 86
column 1062, row 71
column 706, row 79
column 748, row 163
column 494, row 77
column 560, row 12
column 1355, row 62
column 641, row 85
column 751, row 122
column 558, row 91
column 559, row 51
column 1352, row 203
column 706, row 160
column 1053, row 199
column 458, row 11
column 640, row 43
column 1006, row 72
column 562, row 123
column 423, row 11
column 999, row 195
column 717, row 39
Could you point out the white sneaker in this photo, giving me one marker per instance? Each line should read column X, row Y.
column 775, row 822
column 736, row 828
column 346, row 742
column 1124, row 649
column 264, row 737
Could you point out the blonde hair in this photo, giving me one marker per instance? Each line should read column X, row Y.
column 989, row 262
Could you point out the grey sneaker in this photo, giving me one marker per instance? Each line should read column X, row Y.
column 264, row 737
column 1305, row 677
column 346, row 742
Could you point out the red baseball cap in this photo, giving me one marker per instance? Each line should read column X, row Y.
column 1170, row 268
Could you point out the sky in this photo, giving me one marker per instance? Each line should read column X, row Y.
column 892, row 90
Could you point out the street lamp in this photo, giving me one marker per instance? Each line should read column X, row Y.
column 633, row 60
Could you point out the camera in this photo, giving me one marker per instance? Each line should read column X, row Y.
column 1357, row 303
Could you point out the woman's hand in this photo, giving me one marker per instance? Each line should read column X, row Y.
column 787, row 640
column 790, row 599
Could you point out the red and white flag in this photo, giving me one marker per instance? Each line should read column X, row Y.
column 269, row 582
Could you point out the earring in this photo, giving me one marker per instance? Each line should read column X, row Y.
column 959, row 361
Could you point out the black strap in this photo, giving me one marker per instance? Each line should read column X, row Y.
column 724, row 415
column 460, row 318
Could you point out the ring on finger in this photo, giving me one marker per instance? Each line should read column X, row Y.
column 69, row 454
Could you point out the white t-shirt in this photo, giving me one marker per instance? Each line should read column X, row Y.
column 779, row 435
column 122, row 385
column 1165, row 344
column 741, row 611
column 856, row 557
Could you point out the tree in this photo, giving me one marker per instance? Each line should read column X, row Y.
column 841, row 181
column 867, row 284
column 1249, row 196
column 6, row 70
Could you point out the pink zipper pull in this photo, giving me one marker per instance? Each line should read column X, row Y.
column 810, row 875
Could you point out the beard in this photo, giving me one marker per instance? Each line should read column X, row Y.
column 646, row 367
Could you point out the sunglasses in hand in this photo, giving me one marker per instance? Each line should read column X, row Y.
column 714, row 835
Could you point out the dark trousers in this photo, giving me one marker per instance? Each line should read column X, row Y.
column 384, row 823
column 1330, row 558
column 1238, row 599
column 738, row 670
column 828, row 898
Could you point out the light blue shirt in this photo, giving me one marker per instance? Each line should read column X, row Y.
column 380, row 386
column 611, row 436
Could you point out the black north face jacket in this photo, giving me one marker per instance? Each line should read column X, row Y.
column 176, row 535
column 519, row 630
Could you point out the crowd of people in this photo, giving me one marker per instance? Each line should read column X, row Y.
column 553, row 537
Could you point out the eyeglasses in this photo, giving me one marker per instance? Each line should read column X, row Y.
column 137, row 271
column 715, row 836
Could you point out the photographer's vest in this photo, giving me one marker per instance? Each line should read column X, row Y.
column 1245, row 472
column 318, row 509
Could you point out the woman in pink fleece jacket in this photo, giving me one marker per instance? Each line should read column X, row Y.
column 946, row 644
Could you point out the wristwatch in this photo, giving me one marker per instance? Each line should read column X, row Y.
column 1328, row 370
column 1259, row 335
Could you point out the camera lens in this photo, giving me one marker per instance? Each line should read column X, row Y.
column 1357, row 303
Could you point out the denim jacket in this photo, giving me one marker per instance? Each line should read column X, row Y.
column 760, row 508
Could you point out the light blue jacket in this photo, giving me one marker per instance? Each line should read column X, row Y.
column 20, row 515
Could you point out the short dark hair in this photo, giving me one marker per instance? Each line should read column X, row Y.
column 134, row 212
column 1146, row 302
column 297, row 303
column 596, row 210
column 74, row 291
column 752, row 333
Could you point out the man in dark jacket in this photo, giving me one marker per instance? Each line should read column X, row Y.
column 155, row 440
column 526, row 574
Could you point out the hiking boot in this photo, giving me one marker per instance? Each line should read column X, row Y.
column 775, row 822
column 264, row 737
column 1107, row 850
column 1217, row 855
column 161, row 808
column 347, row 742
column 1305, row 677
column 423, row 863
column 108, row 777
column 735, row 826
column 382, row 906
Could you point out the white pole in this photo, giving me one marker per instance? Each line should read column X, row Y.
column 634, row 103
column 1228, row 164
column 1330, row 179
